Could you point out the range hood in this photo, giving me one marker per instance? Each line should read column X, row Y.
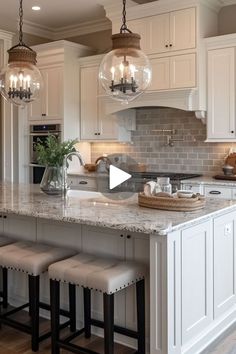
column 185, row 99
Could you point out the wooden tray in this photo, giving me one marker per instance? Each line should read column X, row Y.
column 226, row 178
column 175, row 204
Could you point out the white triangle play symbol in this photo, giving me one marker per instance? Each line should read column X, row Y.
column 117, row 176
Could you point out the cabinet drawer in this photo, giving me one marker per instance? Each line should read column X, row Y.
column 218, row 192
column 80, row 182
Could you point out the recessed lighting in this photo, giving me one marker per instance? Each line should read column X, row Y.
column 36, row 8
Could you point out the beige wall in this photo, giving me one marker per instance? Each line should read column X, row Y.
column 100, row 41
column 227, row 20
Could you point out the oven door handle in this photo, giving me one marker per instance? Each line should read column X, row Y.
column 45, row 134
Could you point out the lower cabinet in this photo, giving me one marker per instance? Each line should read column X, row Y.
column 197, row 292
column 224, row 239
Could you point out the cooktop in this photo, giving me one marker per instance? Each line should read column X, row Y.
column 172, row 175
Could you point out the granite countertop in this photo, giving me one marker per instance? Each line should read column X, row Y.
column 209, row 180
column 91, row 208
column 88, row 174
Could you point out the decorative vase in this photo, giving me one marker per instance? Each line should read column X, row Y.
column 52, row 182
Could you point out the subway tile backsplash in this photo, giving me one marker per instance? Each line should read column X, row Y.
column 149, row 147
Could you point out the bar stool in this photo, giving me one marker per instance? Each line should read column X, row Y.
column 34, row 259
column 4, row 292
column 107, row 276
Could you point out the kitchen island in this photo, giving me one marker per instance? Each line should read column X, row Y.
column 192, row 259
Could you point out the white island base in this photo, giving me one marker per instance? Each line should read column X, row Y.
column 191, row 296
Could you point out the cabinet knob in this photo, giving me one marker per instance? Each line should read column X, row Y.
column 4, row 217
column 44, row 115
column 171, row 45
column 128, row 236
column 232, row 131
column 121, row 235
column 98, row 133
column 167, row 45
column 95, row 133
column 0, row 216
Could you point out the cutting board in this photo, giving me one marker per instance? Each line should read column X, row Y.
column 231, row 160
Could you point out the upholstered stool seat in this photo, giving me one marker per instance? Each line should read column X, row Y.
column 4, row 293
column 102, row 274
column 34, row 259
column 105, row 275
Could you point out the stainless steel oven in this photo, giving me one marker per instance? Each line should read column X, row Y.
column 39, row 133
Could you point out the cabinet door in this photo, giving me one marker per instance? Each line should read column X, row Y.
column 197, row 282
column 160, row 74
column 183, row 71
column 224, row 264
column 221, row 94
column 107, row 124
column 219, row 192
column 141, row 26
column 159, row 33
column 54, row 93
column 50, row 103
column 89, row 103
column 183, row 29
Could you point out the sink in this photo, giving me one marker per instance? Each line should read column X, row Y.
column 82, row 195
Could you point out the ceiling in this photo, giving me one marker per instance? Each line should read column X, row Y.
column 54, row 14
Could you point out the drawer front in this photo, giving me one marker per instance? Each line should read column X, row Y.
column 80, row 182
column 218, row 192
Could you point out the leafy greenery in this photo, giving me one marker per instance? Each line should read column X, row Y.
column 52, row 152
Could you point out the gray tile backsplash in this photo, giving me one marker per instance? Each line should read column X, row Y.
column 190, row 155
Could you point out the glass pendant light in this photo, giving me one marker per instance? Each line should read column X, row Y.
column 21, row 81
column 125, row 72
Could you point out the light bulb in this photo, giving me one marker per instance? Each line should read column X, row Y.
column 20, row 84
column 125, row 72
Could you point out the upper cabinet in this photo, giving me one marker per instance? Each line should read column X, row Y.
column 95, row 123
column 50, row 104
column 59, row 100
column 167, row 32
column 221, row 77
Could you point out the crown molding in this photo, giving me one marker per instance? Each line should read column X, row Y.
column 67, row 31
column 228, row 2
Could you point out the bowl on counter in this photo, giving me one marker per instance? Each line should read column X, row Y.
column 228, row 170
column 90, row 167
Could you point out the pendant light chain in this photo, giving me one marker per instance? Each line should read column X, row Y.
column 124, row 27
column 21, row 23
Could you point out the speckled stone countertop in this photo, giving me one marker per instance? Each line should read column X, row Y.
column 209, row 180
column 91, row 208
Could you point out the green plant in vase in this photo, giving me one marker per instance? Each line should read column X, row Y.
column 51, row 154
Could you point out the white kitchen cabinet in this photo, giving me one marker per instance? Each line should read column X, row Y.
column 82, row 182
column 50, row 104
column 224, row 264
column 221, row 118
column 195, row 188
column 216, row 191
column 95, row 125
column 167, row 32
column 173, row 72
column 197, row 282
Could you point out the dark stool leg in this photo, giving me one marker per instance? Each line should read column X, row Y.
column 34, row 302
column 72, row 307
column 108, row 308
column 5, row 288
column 55, row 314
column 87, row 312
column 140, row 293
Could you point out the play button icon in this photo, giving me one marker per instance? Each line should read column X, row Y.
column 117, row 177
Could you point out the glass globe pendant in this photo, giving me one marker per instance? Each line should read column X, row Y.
column 125, row 72
column 21, row 81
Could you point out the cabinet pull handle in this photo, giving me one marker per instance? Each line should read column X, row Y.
column 83, row 182
column 128, row 236
column 44, row 115
column 215, row 192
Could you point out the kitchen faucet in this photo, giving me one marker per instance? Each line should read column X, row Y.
column 65, row 161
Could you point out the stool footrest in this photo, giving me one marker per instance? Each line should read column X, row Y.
column 117, row 329
column 11, row 312
column 47, row 307
column 74, row 335
column 75, row 348
column 17, row 325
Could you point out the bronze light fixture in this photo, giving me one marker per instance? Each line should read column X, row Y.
column 125, row 72
column 21, row 81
